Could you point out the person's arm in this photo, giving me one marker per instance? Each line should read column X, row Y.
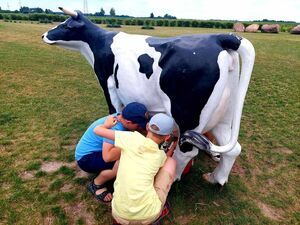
column 110, row 153
column 172, row 147
column 104, row 129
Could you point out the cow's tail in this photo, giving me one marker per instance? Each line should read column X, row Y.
column 247, row 55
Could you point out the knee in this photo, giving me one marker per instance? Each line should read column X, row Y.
column 236, row 151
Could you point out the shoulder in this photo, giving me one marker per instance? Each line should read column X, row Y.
column 98, row 122
column 119, row 127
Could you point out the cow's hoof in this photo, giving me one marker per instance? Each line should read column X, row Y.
column 208, row 177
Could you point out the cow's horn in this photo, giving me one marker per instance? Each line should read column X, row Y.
column 69, row 12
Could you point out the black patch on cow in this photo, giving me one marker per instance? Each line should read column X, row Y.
column 146, row 63
column 190, row 72
column 115, row 76
column 229, row 41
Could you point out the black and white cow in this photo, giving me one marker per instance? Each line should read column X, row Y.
column 197, row 79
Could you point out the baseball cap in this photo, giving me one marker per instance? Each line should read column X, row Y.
column 161, row 124
column 136, row 113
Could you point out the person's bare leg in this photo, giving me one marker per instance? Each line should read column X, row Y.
column 170, row 166
column 105, row 176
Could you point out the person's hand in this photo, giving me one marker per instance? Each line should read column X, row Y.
column 110, row 122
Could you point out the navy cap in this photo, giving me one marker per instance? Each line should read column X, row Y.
column 136, row 113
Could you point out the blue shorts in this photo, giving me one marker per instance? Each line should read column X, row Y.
column 94, row 163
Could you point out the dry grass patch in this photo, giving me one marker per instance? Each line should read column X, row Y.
column 49, row 220
column 26, row 175
column 270, row 212
column 78, row 211
column 284, row 150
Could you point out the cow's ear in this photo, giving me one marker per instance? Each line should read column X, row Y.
column 75, row 24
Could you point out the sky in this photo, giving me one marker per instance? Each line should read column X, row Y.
column 241, row 10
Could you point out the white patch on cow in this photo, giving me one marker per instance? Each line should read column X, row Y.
column 217, row 103
column 133, row 85
column 80, row 46
column 111, row 85
column 45, row 39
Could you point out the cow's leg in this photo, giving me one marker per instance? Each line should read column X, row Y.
column 182, row 159
column 222, row 130
column 222, row 133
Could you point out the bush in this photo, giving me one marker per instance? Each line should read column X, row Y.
column 97, row 20
column 6, row 17
column 186, row 23
column 228, row 25
column 140, row 22
column 172, row 23
column 147, row 27
column 159, row 23
column 46, row 20
column 147, row 22
column 127, row 22
column 110, row 21
column 120, row 22
column 166, row 23
column 153, row 22
column 206, row 24
column 113, row 25
column 1, row 17
column 179, row 23
column 133, row 22
column 195, row 23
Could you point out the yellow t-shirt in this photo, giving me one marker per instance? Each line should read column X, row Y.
column 135, row 197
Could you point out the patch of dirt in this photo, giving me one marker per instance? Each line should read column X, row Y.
column 48, row 220
column 284, row 150
column 2, row 149
column 27, row 175
column 50, row 167
column 77, row 211
column 72, row 165
column 69, row 147
column 270, row 212
column 185, row 219
column 237, row 169
column 81, row 174
column 67, row 188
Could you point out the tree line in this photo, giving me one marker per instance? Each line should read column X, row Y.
column 48, row 16
column 43, row 18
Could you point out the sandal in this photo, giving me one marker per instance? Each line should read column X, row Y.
column 92, row 187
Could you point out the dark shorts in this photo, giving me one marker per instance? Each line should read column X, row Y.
column 94, row 163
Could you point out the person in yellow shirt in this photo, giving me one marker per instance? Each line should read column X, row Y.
column 145, row 173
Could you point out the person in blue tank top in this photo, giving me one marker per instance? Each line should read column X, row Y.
column 95, row 154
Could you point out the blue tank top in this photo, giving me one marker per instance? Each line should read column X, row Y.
column 90, row 142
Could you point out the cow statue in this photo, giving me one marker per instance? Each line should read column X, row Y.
column 196, row 79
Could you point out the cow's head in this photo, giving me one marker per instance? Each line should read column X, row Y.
column 70, row 30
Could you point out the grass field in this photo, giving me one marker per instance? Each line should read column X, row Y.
column 49, row 96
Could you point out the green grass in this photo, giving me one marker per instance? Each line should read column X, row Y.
column 49, row 96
